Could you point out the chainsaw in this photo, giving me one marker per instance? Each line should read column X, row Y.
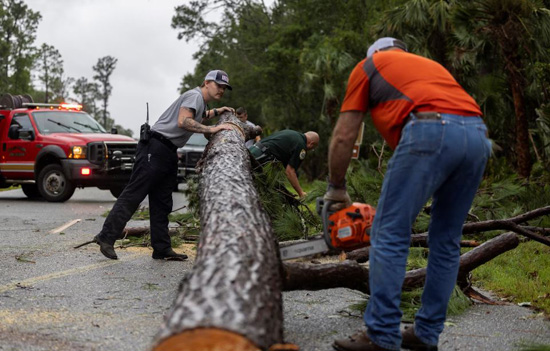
column 345, row 230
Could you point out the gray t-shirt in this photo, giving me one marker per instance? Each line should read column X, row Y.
column 167, row 124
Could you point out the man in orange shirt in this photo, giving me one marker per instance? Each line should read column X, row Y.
column 441, row 149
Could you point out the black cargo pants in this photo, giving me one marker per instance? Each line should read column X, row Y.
column 154, row 174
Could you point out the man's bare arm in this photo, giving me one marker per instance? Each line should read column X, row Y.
column 341, row 145
column 293, row 179
column 186, row 121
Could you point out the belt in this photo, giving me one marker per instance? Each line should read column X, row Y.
column 260, row 146
column 164, row 140
column 422, row 115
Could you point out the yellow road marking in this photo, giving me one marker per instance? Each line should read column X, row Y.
column 55, row 275
column 64, row 226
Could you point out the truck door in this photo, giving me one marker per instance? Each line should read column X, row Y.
column 19, row 149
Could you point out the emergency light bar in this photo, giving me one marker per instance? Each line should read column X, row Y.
column 65, row 106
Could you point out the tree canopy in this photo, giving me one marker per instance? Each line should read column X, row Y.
column 289, row 63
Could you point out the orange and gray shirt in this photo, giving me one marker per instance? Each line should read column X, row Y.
column 394, row 83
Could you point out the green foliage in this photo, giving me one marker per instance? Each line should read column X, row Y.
column 410, row 303
column 521, row 275
column 502, row 194
column 18, row 24
column 103, row 70
column 141, row 214
column 533, row 347
column 50, row 67
column 291, row 219
column 189, row 223
column 543, row 132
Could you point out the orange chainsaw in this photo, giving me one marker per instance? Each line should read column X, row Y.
column 346, row 229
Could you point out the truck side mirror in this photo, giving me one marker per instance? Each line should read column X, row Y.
column 17, row 132
column 114, row 130
column 26, row 134
column 13, row 132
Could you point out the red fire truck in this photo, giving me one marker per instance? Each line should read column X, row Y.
column 52, row 149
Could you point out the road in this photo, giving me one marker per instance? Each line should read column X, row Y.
column 54, row 297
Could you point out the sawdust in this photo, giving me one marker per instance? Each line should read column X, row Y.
column 41, row 317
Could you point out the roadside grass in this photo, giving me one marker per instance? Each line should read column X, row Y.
column 533, row 347
column 520, row 275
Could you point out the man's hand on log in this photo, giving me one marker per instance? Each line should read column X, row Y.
column 224, row 126
column 225, row 108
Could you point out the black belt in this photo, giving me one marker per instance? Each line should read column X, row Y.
column 422, row 115
column 164, row 140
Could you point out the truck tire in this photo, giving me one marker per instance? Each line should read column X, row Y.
column 54, row 185
column 31, row 190
column 116, row 190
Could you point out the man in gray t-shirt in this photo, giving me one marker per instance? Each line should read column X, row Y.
column 155, row 170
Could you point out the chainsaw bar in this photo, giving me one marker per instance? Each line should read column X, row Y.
column 306, row 248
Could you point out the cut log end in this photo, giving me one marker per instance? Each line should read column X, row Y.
column 206, row 339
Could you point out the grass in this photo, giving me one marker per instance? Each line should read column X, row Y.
column 533, row 347
column 410, row 303
column 520, row 275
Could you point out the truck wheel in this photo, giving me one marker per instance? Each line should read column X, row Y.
column 54, row 185
column 31, row 190
column 116, row 191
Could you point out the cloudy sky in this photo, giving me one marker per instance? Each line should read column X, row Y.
column 151, row 60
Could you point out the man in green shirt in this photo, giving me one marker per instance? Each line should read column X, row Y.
column 290, row 148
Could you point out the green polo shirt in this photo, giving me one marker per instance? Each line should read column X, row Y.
column 288, row 146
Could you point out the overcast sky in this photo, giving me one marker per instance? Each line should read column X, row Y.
column 151, row 60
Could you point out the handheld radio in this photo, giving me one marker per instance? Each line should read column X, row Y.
column 145, row 129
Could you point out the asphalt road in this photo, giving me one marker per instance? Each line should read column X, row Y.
column 54, row 297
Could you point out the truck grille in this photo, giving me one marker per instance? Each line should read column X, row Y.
column 118, row 152
column 192, row 158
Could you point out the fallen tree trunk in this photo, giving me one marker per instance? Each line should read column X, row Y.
column 417, row 240
column 301, row 276
column 231, row 300
column 142, row 231
column 513, row 224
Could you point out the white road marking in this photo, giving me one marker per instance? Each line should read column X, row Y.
column 55, row 275
column 64, row 226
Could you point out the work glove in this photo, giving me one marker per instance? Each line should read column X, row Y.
column 339, row 196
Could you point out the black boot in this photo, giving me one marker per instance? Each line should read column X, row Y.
column 106, row 249
column 169, row 255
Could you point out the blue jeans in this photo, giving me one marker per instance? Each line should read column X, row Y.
column 444, row 159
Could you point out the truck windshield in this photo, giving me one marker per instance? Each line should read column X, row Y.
column 49, row 122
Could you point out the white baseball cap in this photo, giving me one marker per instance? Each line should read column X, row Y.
column 384, row 43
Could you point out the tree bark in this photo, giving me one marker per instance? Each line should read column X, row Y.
column 350, row 274
column 231, row 299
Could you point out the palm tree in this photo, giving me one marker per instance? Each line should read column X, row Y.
column 326, row 66
column 518, row 32
column 490, row 37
